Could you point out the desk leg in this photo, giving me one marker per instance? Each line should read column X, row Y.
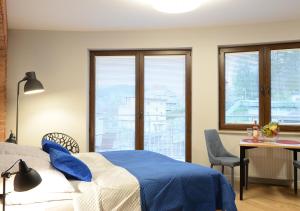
column 242, row 171
column 295, row 172
column 295, row 154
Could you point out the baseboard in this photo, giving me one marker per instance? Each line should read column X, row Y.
column 267, row 181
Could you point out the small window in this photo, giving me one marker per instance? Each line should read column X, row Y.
column 241, row 87
column 259, row 83
column 285, row 86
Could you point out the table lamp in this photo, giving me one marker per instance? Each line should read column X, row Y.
column 32, row 86
column 26, row 178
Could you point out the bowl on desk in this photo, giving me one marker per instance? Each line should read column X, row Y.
column 270, row 139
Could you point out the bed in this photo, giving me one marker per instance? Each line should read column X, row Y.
column 141, row 180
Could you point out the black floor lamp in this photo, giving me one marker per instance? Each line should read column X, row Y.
column 32, row 86
column 25, row 179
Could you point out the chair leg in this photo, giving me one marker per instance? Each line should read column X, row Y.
column 211, row 165
column 222, row 169
column 246, row 176
column 232, row 177
column 295, row 181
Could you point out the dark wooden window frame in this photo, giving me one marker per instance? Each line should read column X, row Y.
column 139, row 92
column 264, row 83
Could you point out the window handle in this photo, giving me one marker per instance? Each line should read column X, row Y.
column 141, row 115
column 262, row 91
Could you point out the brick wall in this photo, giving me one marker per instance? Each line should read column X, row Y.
column 3, row 61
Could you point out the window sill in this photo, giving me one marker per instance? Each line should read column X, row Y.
column 241, row 132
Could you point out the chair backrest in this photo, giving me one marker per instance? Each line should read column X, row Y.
column 64, row 140
column 213, row 143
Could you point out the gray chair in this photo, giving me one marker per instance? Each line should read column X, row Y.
column 296, row 165
column 219, row 156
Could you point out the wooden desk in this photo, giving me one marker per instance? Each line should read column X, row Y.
column 247, row 143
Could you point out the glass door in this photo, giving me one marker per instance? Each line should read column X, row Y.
column 165, row 105
column 141, row 100
column 114, row 102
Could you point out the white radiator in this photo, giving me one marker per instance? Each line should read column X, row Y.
column 270, row 163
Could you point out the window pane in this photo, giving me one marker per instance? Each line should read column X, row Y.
column 285, row 86
column 115, row 103
column 164, row 105
column 241, row 87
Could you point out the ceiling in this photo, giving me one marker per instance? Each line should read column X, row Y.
column 96, row 15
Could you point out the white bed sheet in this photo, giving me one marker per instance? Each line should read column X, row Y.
column 112, row 187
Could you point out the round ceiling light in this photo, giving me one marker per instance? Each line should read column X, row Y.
column 175, row 6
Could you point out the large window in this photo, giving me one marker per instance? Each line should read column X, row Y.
column 141, row 100
column 259, row 83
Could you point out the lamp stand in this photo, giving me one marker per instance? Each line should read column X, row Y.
column 5, row 175
column 3, row 195
column 17, row 113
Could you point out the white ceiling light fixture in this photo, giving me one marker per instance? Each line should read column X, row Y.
column 175, row 6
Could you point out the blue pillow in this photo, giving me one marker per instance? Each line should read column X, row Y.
column 47, row 145
column 70, row 166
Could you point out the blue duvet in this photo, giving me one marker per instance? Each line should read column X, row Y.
column 167, row 184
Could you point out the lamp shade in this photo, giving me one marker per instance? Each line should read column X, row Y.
column 26, row 178
column 32, row 85
column 11, row 138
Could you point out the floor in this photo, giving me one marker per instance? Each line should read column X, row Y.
column 260, row 197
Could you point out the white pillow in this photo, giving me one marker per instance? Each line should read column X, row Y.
column 16, row 149
column 53, row 181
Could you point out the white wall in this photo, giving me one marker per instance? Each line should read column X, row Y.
column 61, row 62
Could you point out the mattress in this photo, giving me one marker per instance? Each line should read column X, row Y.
column 65, row 205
